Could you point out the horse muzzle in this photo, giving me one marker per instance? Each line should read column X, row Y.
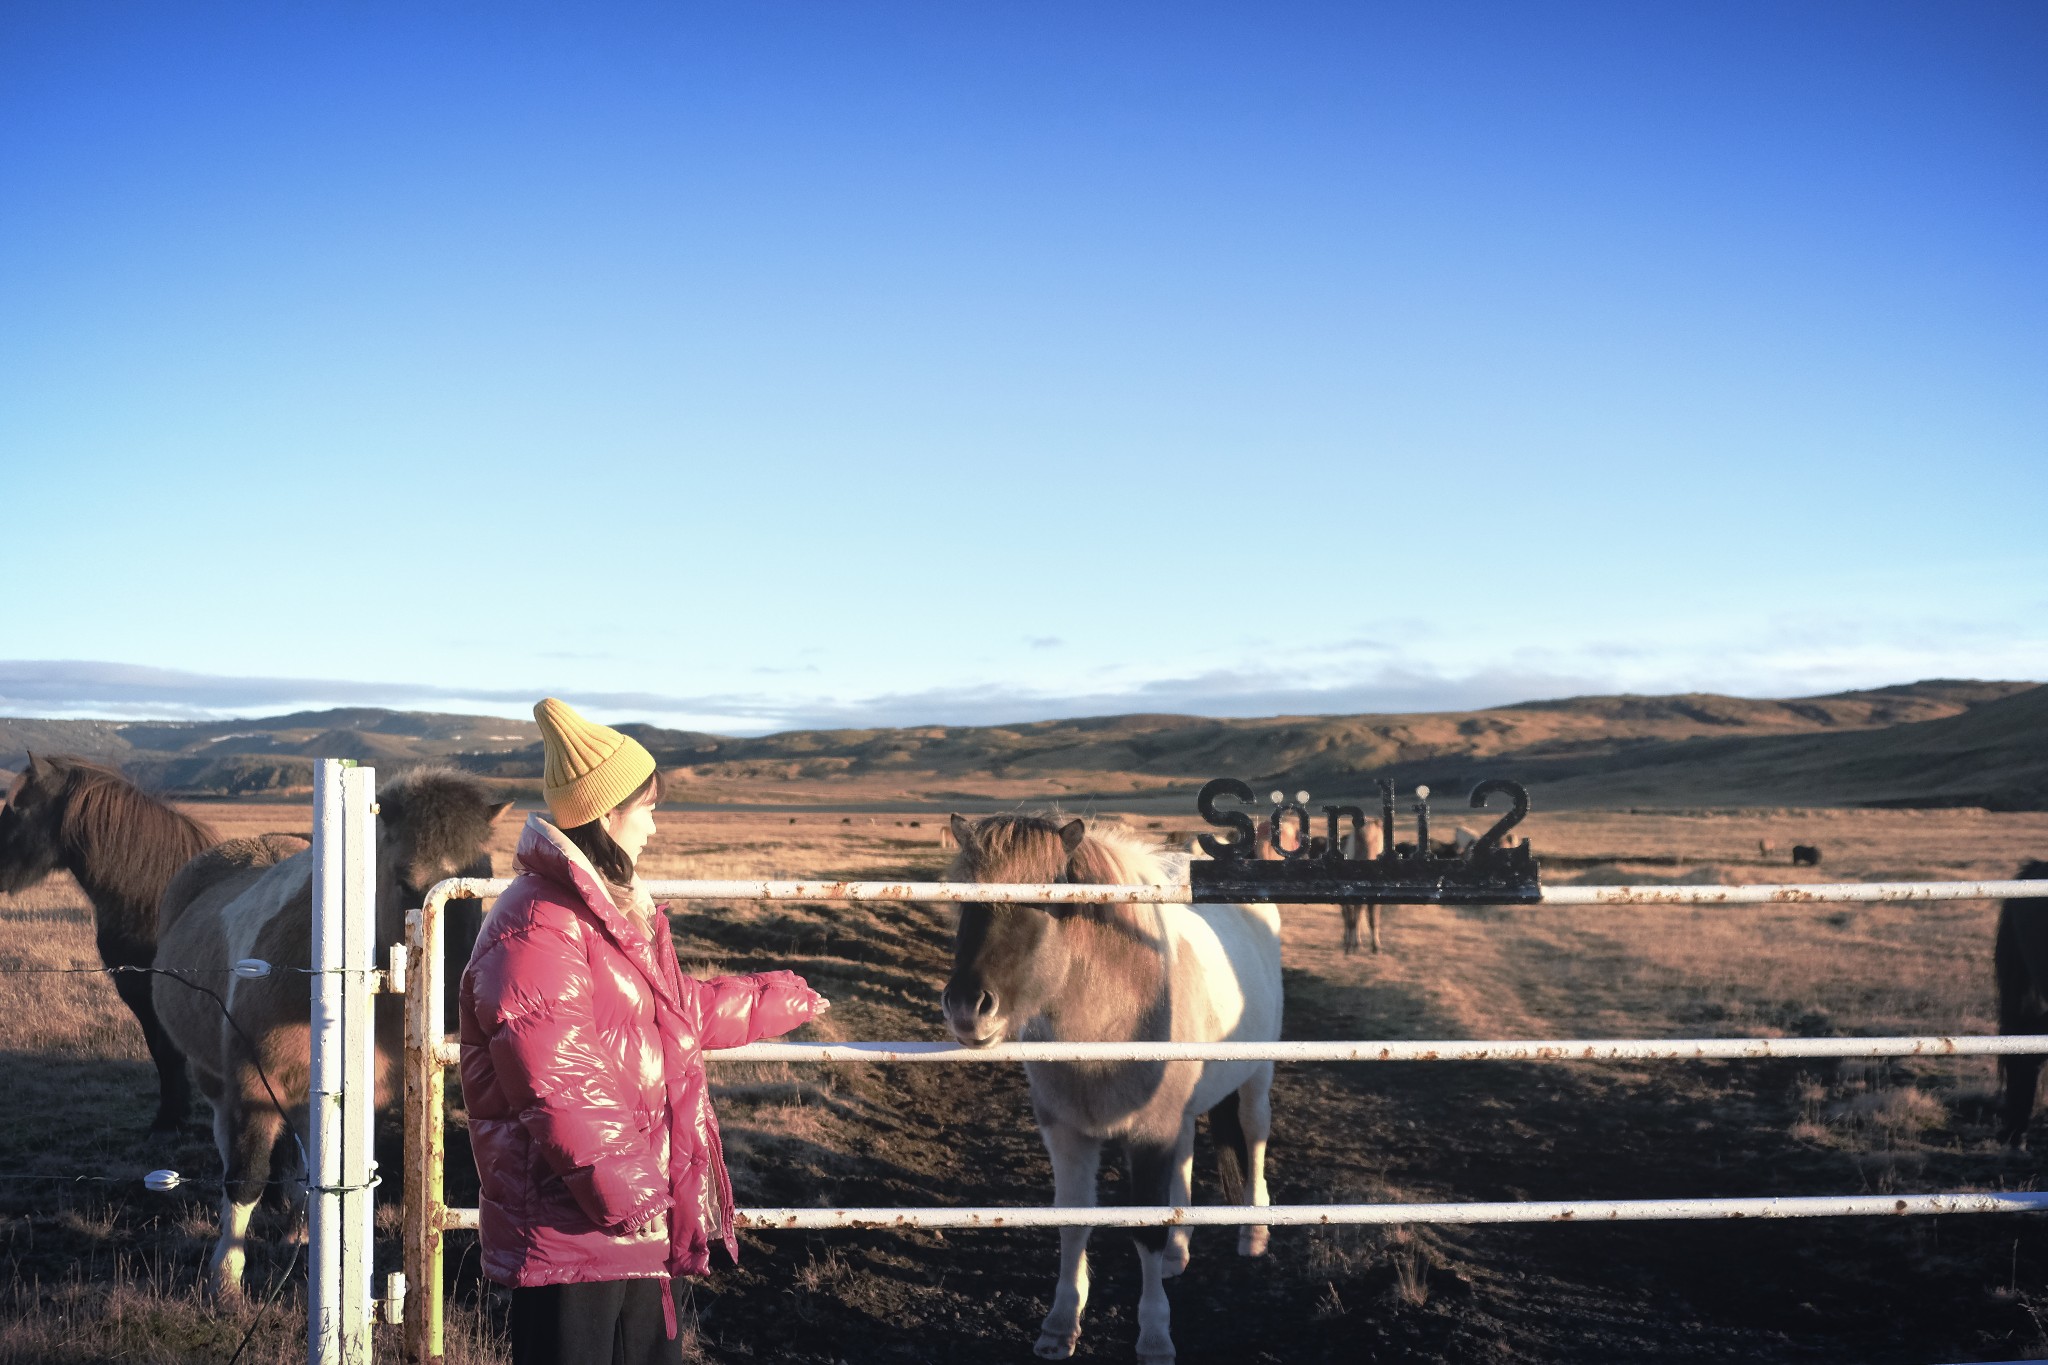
column 975, row 1021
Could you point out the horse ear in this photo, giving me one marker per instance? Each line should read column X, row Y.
column 1072, row 833
column 498, row 811
column 42, row 769
column 962, row 831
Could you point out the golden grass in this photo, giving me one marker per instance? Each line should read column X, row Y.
column 1477, row 973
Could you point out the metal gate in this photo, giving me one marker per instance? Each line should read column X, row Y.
column 429, row 1051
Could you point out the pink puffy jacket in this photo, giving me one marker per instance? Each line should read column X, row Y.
column 583, row 1072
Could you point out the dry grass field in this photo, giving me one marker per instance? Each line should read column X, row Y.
column 99, row 1269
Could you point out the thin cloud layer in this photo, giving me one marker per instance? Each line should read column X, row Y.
column 129, row 691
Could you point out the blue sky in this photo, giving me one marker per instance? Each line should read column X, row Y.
column 747, row 366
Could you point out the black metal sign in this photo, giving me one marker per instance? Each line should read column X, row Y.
column 1296, row 867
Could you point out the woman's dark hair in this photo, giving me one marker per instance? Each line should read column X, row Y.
column 597, row 844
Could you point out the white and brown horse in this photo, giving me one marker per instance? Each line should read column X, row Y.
column 1119, row 973
column 253, row 898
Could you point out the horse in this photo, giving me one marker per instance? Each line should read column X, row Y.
column 2020, row 962
column 1114, row 973
column 1805, row 855
column 122, row 845
column 251, row 1049
column 1364, row 842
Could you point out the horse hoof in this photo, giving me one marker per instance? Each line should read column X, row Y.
column 1052, row 1347
column 1252, row 1241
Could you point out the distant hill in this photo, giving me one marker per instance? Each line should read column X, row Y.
column 1940, row 742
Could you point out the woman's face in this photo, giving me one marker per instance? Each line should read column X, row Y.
column 632, row 825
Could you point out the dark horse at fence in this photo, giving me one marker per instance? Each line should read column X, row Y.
column 2021, row 961
column 123, row 846
column 248, row 1040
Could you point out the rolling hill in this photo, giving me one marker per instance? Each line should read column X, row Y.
column 1939, row 742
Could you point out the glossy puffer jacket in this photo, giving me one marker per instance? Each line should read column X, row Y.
column 583, row 1072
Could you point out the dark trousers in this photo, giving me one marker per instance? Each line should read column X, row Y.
column 617, row 1321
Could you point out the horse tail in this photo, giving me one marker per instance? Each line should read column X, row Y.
column 1233, row 1155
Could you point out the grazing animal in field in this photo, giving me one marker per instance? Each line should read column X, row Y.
column 1114, row 973
column 1364, row 843
column 1355, row 846
column 253, row 898
column 2020, row 960
column 1805, row 855
column 1766, row 847
column 122, row 845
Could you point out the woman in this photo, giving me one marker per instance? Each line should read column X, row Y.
column 583, row 1069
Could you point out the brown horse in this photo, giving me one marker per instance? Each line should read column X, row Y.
column 2020, row 959
column 253, row 898
column 1366, row 841
column 1119, row 973
column 1363, row 843
column 122, row 845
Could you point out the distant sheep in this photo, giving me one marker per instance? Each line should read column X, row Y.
column 1805, row 855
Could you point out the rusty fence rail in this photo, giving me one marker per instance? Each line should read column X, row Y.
column 429, row 1052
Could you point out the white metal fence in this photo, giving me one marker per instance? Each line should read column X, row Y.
column 429, row 1053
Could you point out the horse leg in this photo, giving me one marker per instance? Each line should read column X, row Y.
column 1372, row 914
column 1075, row 1161
column 1350, row 911
column 2021, row 1076
column 1180, row 1194
column 173, row 1085
column 1255, row 1115
column 1151, row 1169
column 245, row 1130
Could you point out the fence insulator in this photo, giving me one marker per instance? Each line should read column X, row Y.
column 163, row 1182
column 251, row 968
column 393, row 1304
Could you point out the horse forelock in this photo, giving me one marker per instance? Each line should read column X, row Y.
column 442, row 815
column 1029, row 849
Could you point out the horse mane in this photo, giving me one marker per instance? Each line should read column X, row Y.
column 135, row 840
column 1028, row 848
column 1118, row 858
column 441, row 808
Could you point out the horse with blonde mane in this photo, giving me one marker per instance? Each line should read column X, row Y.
column 1119, row 973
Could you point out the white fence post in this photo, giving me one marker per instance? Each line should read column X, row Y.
column 342, row 1099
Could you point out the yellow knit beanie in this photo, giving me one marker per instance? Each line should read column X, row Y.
column 589, row 768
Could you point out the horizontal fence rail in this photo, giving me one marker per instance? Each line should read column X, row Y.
column 1335, row 1215
column 1442, row 1050
column 1455, row 1050
column 1076, row 893
column 430, row 1052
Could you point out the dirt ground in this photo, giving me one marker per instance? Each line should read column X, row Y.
column 100, row 1269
